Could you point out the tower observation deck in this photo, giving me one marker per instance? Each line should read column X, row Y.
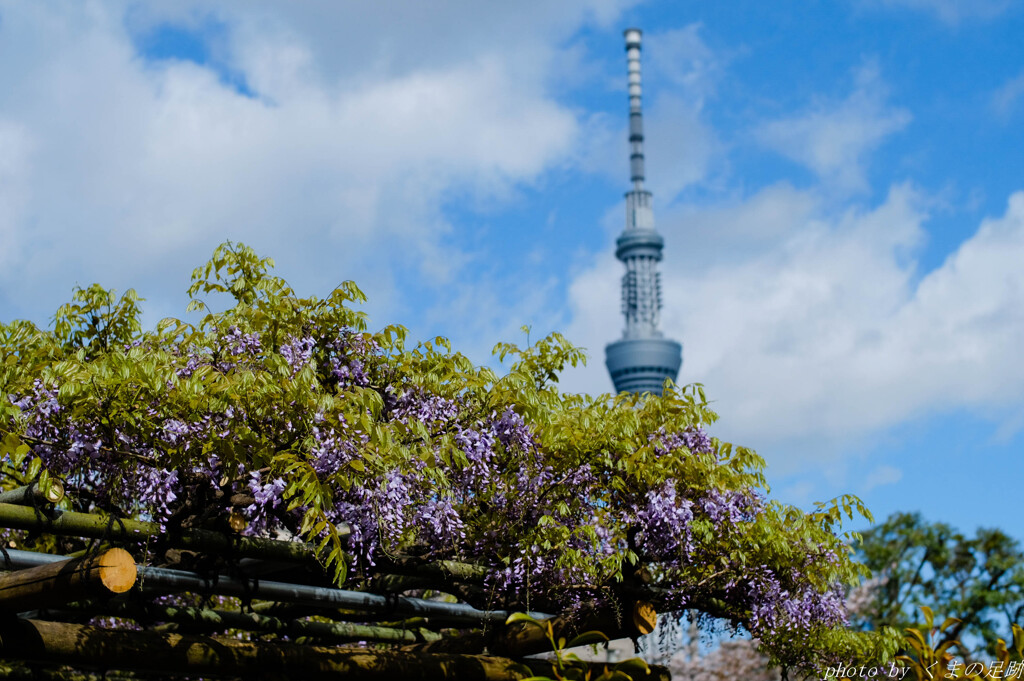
column 642, row 360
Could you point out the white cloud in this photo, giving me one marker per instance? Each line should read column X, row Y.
column 683, row 149
column 352, row 43
column 834, row 138
column 15, row 149
column 880, row 476
column 681, row 59
column 952, row 11
column 686, row 151
column 821, row 336
column 126, row 171
column 1006, row 98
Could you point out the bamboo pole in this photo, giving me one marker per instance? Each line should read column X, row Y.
column 438, row 574
column 71, row 523
column 110, row 572
column 29, row 495
column 93, row 526
column 319, row 597
column 446, row 570
column 220, row 620
column 37, row 673
column 60, row 643
column 164, row 580
column 525, row 638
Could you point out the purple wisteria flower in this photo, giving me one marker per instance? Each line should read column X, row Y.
column 732, row 506
column 350, row 355
column 267, row 497
column 241, row 344
column 60, row 441
column 332, row 448
column 297, row 352
column 775, row 608
column 433, row 411
column 439, row 522
column 694, row 439
column 512, row 431
column 664, row 524
column 156, row 490
column 393, row 501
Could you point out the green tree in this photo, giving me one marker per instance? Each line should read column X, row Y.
column 977, row 579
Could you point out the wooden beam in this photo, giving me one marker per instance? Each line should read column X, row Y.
column 110, row 572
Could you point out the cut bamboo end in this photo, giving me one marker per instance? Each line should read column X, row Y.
column 32, row 494
column 645, row 617
column 237, row 522
column 55, row 491
column 117, row 570
column 65, row 581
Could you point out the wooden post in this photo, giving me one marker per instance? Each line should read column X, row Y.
column 110, row 572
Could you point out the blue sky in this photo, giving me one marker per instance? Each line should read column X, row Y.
column 839, row 185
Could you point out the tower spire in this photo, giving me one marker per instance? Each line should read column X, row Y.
column 643, row 359
column 636, row 123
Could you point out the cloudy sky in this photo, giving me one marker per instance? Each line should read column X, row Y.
column 839, row 185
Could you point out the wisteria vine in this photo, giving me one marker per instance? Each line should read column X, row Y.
column 286, row 412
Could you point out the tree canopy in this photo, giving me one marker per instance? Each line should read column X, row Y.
column 979, row 580
column 286, row 415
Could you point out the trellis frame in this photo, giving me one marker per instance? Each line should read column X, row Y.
column 43, row 628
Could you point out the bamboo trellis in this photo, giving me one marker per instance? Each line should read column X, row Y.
column 294, row 626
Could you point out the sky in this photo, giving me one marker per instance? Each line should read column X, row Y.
column 839, row 184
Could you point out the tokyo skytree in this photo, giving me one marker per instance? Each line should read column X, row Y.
column 642, row 360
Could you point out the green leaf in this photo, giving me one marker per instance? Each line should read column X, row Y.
column 950, row 621
column 522, row 617
column 633, row 666
column 587, row 638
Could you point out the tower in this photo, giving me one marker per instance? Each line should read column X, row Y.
column 642, row 360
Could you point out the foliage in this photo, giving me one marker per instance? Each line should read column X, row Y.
column 978, row 580
column 930, row 653
column 568, row 666
column 287, row 411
